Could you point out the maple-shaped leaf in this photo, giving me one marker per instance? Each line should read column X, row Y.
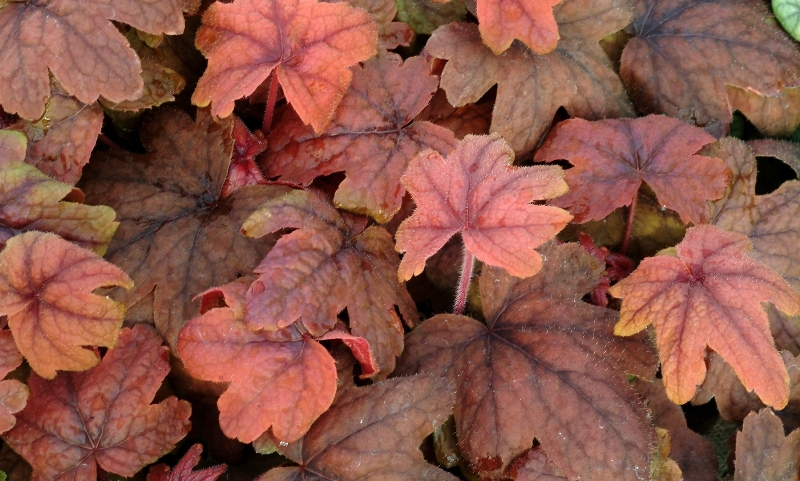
column 390, row 34
column 774, row 115
column 13, row 393
column 307, row 44
column 330, row 262
column 31, row 201
column 530, row 88
column 183, row 470
column 77, row 42
column 177, row 235
column 545, row 365
column 280, row 380
column 46, row 286
column 532, row 22
column 477, row 191
column 243, row 170
column 102, row 417
column 372, row 433
column 371, row 137
column 763, row 452
column 710, row 294
column 684, row 53
column 611, row 159
column 60, row 143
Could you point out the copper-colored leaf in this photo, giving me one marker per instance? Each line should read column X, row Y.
column 763, row 452
column 283, row 385
column 330, row 262
column 371, row 137
column 243, row 170
column 46, row 286
column 774, row 115
column 13, row 394
column 161, row 85
column 710, row 294
column 76, row 41
column 611, row 159
column 736, row 211
column 102, row 417
column 307, row 44
column 545, row 365
column 530, row 21
column 777, row 232
column 183, row 470
column 530, row 88
column 478, row 192
column 177, row 235
column 372, row 433
column 685, row 52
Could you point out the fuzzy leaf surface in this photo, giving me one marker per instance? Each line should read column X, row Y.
column 530, row 88
column 308, row 45
column 478, row 192
column 46, row 286
column 330, row 262
column 102, row 417
column 183, row 470
column 685, row 52
column 611, row 159
column 710, row 294
column 371, row 137
column 763, row 452
column 545, row 365
column 177, row 235
column 372, row 433
column 77, row 42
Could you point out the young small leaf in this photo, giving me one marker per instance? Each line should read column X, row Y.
column 183, row 470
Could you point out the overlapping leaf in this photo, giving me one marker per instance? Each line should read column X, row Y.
column 76, row 41
column 330, row 262
column 243, row 170
column 102, row 417
column 532, row 22
column 685, row 52
column 425, row 16
column 307, row 44
column 545, row 365
column 372, row 433
column 774, row 115
column 177, row 235
column 31, row 201
column 611, row 159
column 762, row 450
column 371, row 137
column 736, row 210
column 46, row 286
column 390, row 34
column 183, row 470
column 13, row 393
column 530, row 88
column 710, row 294
column 476, row 191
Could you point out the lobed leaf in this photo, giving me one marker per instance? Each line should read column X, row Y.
column 13, row 393
column 532, row 22
column 46, row 286
column 183, row 470
column 390, row 34
column 102, row 417
column 762, row 450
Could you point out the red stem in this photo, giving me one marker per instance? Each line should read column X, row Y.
column 273, row 94
column 463, row 283
column 629, row 226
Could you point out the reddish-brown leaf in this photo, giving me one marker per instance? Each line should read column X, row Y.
column 736, row 210
column 763, row 452
column 532, row 22
column 177, row 235
column 31, row 201
column 281, row 380
column 183, row 470
column 76, row 41
column 13, row 394
column 60, row 143
column 545, row 365
column 371, row 137
column 161, row 84
column 530, row 88
column 330, row 262
column 710, row 294
column 685, row 52
column 390, row 34
column 372, row 433
column 243, row 170
column 478, row 192
column 535, row 466
column 777, row 232
column 307, row 44
column 774, row 115
column 46, row 286
column 102, row 417
column 611, row 159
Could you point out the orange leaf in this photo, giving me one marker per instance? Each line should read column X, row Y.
column 45, row 290
column 710, row 294
column 477, row 191
column 531, row 21
column 103, row 417
column 308, row 44
column 76, row 41
column 612, row 158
